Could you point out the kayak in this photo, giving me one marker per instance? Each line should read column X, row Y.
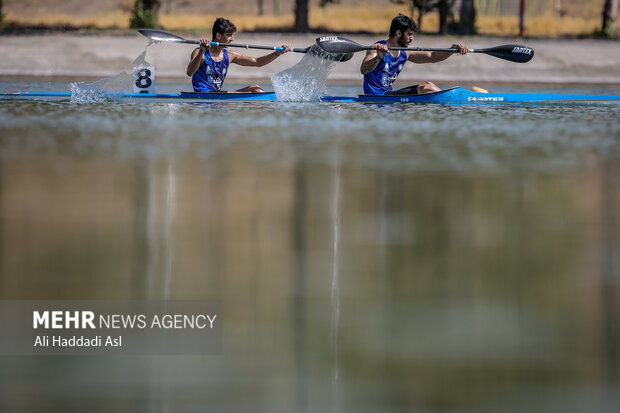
column 452, row 95
column 147, row 97
column 200, row 97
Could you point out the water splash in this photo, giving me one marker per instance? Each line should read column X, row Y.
column 102, row 90
column 307, row 80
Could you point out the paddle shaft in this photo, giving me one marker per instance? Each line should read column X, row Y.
column 243, row 46
column 423, row 49
column 161, row 36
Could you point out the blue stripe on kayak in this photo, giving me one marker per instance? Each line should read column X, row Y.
column 338, row 99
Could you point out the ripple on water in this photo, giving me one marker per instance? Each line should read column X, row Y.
column 451, row 137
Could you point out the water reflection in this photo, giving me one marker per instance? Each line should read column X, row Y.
column 153, row 231
column 368, row 259
column 335, row 292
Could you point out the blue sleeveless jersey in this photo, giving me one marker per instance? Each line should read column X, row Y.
column 210, row 75
column 380, row 80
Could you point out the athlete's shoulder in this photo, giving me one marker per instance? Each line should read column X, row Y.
column 232, row 53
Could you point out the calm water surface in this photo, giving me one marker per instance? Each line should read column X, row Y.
column 402, row 258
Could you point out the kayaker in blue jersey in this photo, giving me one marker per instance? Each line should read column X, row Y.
column 208, row 65
column 381, row 66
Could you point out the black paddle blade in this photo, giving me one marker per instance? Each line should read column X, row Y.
column 345, row 57
column 512, row 52
column 335, row 44
column 324, row 54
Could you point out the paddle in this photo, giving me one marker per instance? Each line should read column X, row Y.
column 512, row 52
column 161, row 36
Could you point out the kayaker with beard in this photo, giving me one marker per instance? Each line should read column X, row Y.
column 381, row 66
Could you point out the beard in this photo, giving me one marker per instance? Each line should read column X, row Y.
column 402, row 41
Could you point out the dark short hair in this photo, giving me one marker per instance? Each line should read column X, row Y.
column 402, row 23
column 222, row 26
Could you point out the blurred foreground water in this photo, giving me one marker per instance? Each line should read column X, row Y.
column 403, row 258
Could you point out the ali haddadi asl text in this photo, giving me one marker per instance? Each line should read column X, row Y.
column 78, row 341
